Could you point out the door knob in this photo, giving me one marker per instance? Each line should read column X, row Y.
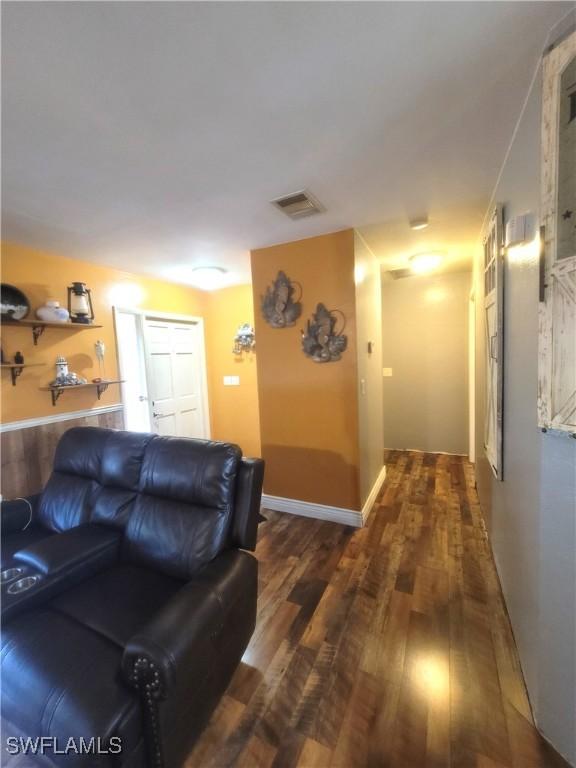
column 156, row 415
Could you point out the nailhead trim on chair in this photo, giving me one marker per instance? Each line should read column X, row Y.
column 150, row 691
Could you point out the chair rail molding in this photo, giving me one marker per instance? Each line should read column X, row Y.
column 11, row 426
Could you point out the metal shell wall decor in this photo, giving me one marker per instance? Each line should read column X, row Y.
column 279, row 307
column 244, row 341
column 321, row 341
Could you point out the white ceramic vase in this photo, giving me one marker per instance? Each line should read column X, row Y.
column 52, row 312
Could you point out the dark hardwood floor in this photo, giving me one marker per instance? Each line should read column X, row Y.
column 387, row 646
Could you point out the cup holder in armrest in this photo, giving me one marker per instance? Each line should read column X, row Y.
column 23, row 585
column 10, row 574
column 56, row 563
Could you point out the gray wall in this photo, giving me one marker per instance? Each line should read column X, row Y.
column 531, row 514
column 368, row 329
column 425, row 341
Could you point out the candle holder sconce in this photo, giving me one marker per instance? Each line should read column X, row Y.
column 245, row 340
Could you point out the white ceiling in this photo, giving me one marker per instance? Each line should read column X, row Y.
column 151, row 136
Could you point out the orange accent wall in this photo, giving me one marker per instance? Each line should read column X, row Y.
column 308, row 410
column 42, row 276
column 233, row 410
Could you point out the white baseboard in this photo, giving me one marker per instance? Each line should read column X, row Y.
column 421, row 450
column 340, row 515
column 369, row 503
column 11, row 426
column 309, row 509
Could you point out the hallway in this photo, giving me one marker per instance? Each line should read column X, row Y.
column 388, row 646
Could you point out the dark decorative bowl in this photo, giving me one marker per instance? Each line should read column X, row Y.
column 15, row 305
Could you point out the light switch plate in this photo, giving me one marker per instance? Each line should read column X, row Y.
column 231, row 381
column 386, row 372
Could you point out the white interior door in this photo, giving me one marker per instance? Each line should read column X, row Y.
column 174, row 365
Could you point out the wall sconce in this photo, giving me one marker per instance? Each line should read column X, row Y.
column 524, row 253
column 80, row 304
column 520, row 230
column 522, row 239
column 244, row 341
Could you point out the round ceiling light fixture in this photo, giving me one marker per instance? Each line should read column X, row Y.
column 422, row 263
column 208, row 278
column 421, row 222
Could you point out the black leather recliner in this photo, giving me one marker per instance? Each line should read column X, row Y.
column 65, row 501
column 142, row 601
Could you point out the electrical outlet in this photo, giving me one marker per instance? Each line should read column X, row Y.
column 386, row 372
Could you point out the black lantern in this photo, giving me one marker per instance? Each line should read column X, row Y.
column 80, row 304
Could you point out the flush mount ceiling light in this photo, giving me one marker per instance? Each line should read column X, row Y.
column 421, row 263
column 208, row 278
column 420, row 222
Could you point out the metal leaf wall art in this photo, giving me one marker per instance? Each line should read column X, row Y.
column 279, row 307
column 321, row 341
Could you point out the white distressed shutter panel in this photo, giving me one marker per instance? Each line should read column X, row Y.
column 493, row 328
column 557, row 317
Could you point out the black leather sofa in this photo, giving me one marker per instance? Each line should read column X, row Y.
column 142, row 601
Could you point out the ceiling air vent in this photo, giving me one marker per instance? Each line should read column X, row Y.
column 298, row 204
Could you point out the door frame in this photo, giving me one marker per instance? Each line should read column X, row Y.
column 148, row 314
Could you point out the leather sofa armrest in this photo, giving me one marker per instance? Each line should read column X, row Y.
column 59, row 562
column 18, row 514
column 247, row 506
column 180, row 643
column 80, row 550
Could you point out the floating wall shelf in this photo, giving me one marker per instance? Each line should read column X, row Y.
column 39, row 326
column 17, row 368
column 99, row 386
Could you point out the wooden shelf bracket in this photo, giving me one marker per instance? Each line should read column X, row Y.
column 15, row 372
column 55, row 395
column 101, row 388
column 37, row 331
